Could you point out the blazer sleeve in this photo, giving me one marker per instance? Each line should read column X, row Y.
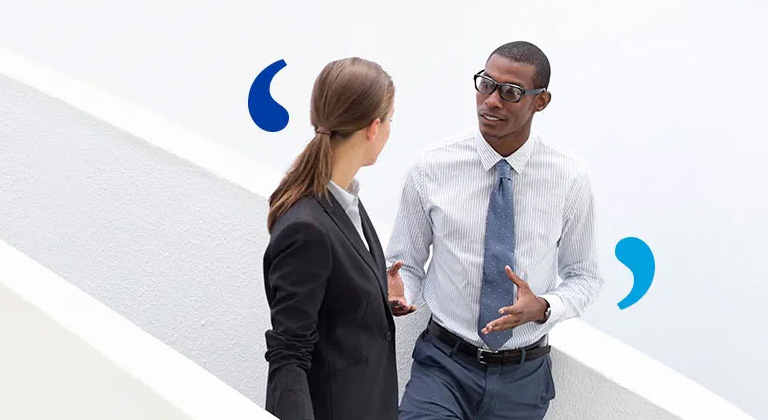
column 296, row 277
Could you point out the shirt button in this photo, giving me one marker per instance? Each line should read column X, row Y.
column 388, row 336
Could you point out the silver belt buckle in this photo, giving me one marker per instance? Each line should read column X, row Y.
column 481, row 352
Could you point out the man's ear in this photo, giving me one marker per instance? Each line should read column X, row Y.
column 542, row 101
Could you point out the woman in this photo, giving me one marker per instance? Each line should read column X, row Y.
column 331, row 348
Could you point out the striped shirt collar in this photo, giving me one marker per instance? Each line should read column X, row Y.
column 517, row 160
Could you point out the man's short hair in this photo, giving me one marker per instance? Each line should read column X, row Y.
column 525, row 52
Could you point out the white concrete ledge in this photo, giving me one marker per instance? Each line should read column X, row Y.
column 66, row 356
column 611, row 361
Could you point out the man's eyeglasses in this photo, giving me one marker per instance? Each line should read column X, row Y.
column 507, row 91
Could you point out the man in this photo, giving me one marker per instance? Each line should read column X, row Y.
column 505, row 214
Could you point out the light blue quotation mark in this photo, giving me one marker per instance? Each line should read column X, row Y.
column 637, row 256
column 265, row 112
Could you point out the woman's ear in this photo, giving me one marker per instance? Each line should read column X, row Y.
column 373, row 129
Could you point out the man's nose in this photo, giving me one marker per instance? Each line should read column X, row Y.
column 493, row 100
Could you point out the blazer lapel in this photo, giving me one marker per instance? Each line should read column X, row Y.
column 341, row 219
column 376, row 251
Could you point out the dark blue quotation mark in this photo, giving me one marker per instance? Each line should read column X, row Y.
column 265, row 112
column 637, row 256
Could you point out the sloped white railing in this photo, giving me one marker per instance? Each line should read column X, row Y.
column 64, row 355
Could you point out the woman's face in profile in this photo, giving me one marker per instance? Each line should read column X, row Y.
column 381, row 139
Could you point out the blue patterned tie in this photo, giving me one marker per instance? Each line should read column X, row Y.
column 498, row 290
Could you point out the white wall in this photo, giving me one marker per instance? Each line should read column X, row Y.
column 597, row 376
column 65, row 356
column 661, row 99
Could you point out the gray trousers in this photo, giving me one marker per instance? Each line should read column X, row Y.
column 445, row 384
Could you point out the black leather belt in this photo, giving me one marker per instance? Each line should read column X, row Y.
column 502, row 357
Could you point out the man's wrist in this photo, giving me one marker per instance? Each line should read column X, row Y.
column 544, row 313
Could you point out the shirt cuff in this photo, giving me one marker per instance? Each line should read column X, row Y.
column 556, row 308
column 410, row 296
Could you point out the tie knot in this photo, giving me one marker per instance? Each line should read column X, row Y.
column 503, row 170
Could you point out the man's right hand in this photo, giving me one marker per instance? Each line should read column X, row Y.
column 396, row 288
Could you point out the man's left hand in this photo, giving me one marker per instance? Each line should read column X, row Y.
column 397, row 302
column 528, row 307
